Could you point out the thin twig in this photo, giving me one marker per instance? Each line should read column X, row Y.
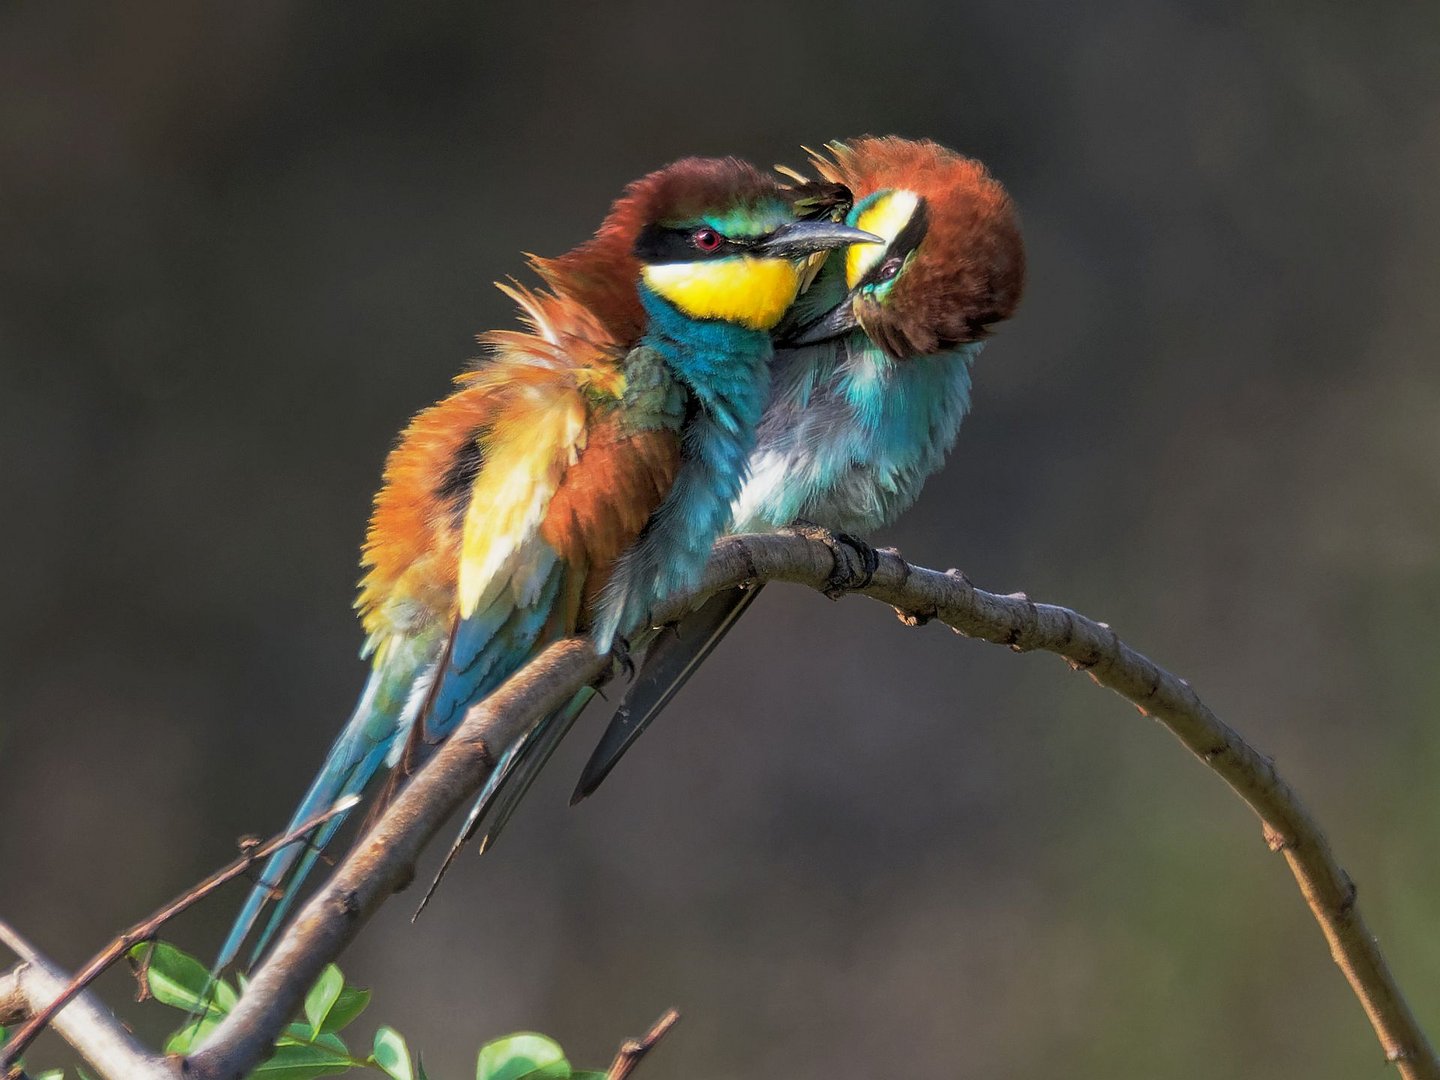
column 85, row 1024
column 147, row 928
column 632, row 1050
column 382, row 861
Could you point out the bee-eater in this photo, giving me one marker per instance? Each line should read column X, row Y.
column 577, row 476
column 868, row 396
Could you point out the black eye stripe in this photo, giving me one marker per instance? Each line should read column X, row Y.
column 906, row 241
column 662, row 244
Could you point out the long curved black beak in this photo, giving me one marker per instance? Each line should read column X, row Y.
column 837, row 322
column 801, row 238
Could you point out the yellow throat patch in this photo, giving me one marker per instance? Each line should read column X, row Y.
column 751, row 292
column 885, row 217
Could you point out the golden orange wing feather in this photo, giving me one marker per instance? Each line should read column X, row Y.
column 412, row 546
column 531, row 448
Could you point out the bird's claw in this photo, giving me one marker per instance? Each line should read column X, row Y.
column 624, row 663
column 855, row 560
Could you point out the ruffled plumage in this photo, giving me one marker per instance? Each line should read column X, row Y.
column 970, row 272
column 855, row 425
column 507, row 506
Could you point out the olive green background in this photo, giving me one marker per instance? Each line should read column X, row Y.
column 243, row 243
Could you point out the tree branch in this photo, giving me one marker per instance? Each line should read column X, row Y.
column 30, row 987
column 382, row 861
column 148, row 927
column 633, row 1051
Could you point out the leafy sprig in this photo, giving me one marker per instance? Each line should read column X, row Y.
column 312, row 1046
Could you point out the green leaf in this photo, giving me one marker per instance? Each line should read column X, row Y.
column 522, row 1056
column 350, row 1004
column 331, row 1041
column 51, row 1074
column 300, row 1033
column 3, row 1035
column 189, row 1036
column 322, row 996
column 420, row 1068
column 292, row 1061
column 179, row 980
column 392, row 1056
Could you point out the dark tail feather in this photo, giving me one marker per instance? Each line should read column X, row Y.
column 547, row 740
column 509, row 782
column 502, row 771
column 667, row 666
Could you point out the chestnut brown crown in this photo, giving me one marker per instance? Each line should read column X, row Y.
column 961, row 260
column 601, row 273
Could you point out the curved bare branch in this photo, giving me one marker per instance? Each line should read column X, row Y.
column 33, row 984
column 382, row 862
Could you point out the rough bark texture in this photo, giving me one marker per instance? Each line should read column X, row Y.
column 383, row 860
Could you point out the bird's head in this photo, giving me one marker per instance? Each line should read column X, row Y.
column 714, row 237
column 952, row 263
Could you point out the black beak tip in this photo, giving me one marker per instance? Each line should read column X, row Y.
column 801, row 238
column 844, row 236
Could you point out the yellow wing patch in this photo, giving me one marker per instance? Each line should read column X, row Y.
column 526, row 452
column 886, row 216
column 539, row 380
column 752, row 292
column 427, row 553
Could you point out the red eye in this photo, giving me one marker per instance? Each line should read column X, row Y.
column 889, row 268
column 707, row 239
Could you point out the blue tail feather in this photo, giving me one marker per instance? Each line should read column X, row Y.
column 486, row 649
column 489, row 647
column 369, row 736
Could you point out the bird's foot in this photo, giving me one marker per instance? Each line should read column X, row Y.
column 855, row 560
column 622, row 663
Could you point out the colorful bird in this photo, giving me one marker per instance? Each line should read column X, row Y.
column 869, row 394
column 577, row 477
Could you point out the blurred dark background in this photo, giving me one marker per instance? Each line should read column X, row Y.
column 242, row 244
